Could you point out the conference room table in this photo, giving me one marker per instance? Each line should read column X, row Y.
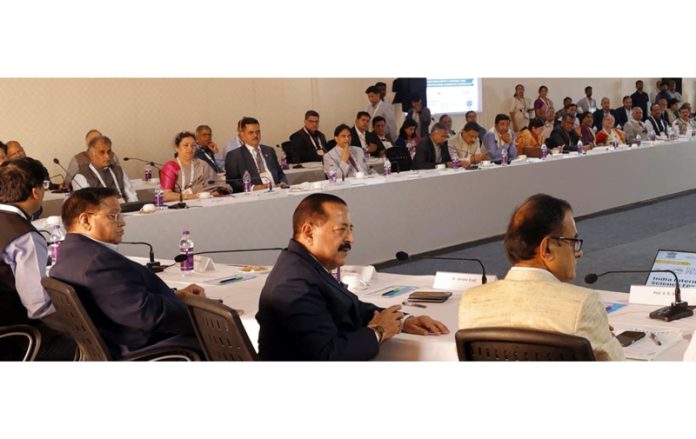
column 244, row 295
column 421, row 211
column 310, row 172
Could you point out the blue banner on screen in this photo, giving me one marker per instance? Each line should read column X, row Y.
column 454, row 95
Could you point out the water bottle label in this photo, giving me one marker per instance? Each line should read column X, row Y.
column 54, row 251
column 187, row 264
column 148, row 175
column 159, row 199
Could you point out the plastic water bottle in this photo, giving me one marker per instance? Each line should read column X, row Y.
column 332, row 175
column 638, row 140
column 56, row 238
column 246, row 179
column 186, row 249
column 284, row 161
column 544, row 151
column 159, row 197
column 387, row 167
column 652, row 136
column 504, row 157
column 148, row 174
column 456, row 163
column 581, row 149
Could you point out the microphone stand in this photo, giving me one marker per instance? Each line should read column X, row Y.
column 403, row 256
column 180, row 258
column 153, row 265
column 677, row 310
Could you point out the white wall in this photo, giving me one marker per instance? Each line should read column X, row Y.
column 50, row 117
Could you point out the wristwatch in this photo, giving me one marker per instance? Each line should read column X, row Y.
column 379, row 330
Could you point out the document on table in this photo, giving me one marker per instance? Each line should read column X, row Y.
column 646, row 348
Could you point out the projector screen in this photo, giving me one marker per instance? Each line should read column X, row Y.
column 454, row 95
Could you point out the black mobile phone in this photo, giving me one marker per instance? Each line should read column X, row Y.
column 627, row 338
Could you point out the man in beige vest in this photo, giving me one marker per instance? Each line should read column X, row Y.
column 543, row 245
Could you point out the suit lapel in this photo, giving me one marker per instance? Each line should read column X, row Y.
column 250, row 165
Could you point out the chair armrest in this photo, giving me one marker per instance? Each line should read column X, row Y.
column 169, row 353
column 30, row 333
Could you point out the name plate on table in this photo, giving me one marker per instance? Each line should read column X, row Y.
column 203, row 264
column 445, row 280
column 663, row 296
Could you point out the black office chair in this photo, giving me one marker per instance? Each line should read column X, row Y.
column 73, row 317
column 287, row 149
column 26, row 333
column 520, row 344
column 400, row 158
column 219, row 330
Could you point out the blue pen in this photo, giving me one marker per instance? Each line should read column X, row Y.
column 230, row 279
column 395, row 290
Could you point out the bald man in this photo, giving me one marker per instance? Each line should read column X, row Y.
column 82, row 159
column 15, row 150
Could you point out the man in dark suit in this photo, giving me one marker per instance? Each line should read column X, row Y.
column 640, row 99
column 362, row 138
column 308, row 144
column 623, row 114
column 305, row 313
column 427, row 156
column 130, row 306
column 658, row 124
column 564, row 135
column 259, row 160
column 601, row 113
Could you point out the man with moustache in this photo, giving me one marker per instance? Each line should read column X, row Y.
column 306, row 314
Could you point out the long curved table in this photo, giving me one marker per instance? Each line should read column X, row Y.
column 426, row 210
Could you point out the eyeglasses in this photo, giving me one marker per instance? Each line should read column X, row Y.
column 46, row 184
column 577, row 242
column 112, row 216
column 342, row 230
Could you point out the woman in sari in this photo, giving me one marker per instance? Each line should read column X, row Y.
column 528, row 141
column 188, row 175
column 608, row 133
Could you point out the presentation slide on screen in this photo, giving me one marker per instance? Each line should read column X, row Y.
column 454, row 95
column 682, row 263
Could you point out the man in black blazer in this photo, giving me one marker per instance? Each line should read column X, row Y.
column 602, row 112
column 360, row 137
column 308, row 144
column 658, row 124
column 306, row 314
column 564, row 135
column 426, row 156
column 259, row 160
column 130, row 306
column 623, row 114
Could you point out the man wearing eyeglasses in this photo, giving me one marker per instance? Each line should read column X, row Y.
column 130, row 306
column 306, row 314
column 23, row 256
column 543, row 245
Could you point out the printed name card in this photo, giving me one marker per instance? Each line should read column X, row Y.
column 203, row 264
column 663, row 296
column 445, row 280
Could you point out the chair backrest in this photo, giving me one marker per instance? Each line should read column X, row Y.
column 520, row 344
column 287, row 149
column 74, row 319
column 20, row 334
column 219, row 330
column 400, row 158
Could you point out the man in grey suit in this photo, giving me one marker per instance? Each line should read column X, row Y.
column 259, row 160
column 543, row 245
column 421, row 115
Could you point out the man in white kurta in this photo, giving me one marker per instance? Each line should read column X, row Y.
column 543, row 244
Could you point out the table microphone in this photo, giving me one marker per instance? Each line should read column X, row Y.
column 181, row 204
column 677, row 310
column 149, row 162
column 403, row 256
column 153, row 265
column 181, row 258
column 57, row 162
